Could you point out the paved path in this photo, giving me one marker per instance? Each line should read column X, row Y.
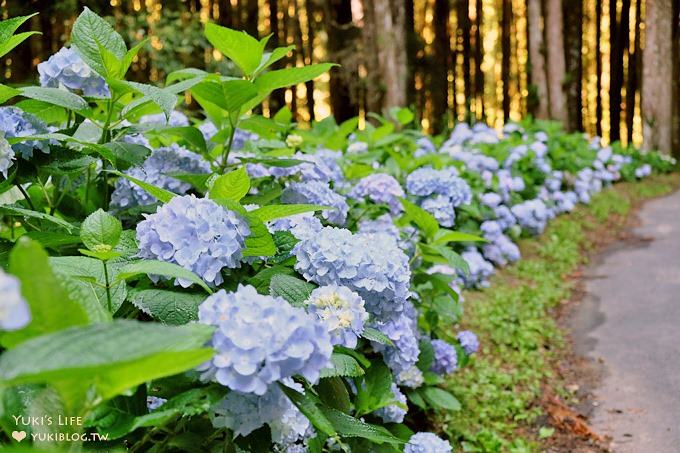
column 630, row 319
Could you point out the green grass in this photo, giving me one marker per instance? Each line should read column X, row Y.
column 520, row 338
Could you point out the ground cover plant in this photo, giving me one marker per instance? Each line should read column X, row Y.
column 177, row 280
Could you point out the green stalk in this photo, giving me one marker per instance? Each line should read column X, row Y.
column 108, row 286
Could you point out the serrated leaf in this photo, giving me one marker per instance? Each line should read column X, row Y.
column 90, row 34
column 14, row 41
column 161, row 195
column 126, row 154
column 55, row 96
column 294, row 290
column 168, row 307
column 333, row 393
column 310, row 409
column 375, row 335
column 232, row 186
column 377, row 389
column 100, row 229
column 164, row 99
column 277, row 211
column 342, row 365
column 348, row 426
column 161, row 268
column 241, row 48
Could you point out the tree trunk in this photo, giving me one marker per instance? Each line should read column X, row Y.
column 463, row 33
column 632, row 86
column 226, row 13
column 598, row 68
column 657, row 74
column 309, row 54
column 383, row 32
column 676, row 81
column 439, row 83
column 252, row 13
column 573, row 41
column 555, row 60
column 342, row 37
column 479, row 56
column 619, row 42
column 506, row 50
column 537, row 72
column 411, row 51
column 278, row 98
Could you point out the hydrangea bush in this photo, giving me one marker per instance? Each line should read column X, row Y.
column 207, row 280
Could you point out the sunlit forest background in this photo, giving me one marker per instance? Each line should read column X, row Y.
column 582, row 62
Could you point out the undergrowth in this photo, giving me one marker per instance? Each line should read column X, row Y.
column 500, row 389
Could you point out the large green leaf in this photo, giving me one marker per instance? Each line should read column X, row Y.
column 342, row 365
column 151, row 267
column 241, row 48
column 21, row 212
column 348, row 426
column 124, row 155
column 423, row 219
column 232, row 186
column 7, row 93
column 308, row 406
column 8, row 40
column 50, row 305
column 440, row 399
column 55, row 96
column 110, row 358
column 100, row 229
column 230, row 95
column 161, row 195
column 91, row 34
column 168, row 307
column 294, row 290
column 164, row 99
column 277, row 211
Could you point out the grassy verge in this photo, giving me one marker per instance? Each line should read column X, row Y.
column 516, row 322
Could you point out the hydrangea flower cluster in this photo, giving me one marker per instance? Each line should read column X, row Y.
column 195, row 233
column 302, row 226
column 156, row 170
column 468, row 341
column 480, row 269
column 403, row 332
column 154, row 402
column 394, row 413
column 439, row 192
column 177, row 119
column 532, row 215
column 380, row 188
column 341, row 310
column 15, row 122
column 321, row 166
column 427, row 443
column 372, row 265
column 7, row 155
column 317, row 192
column 65, row 69
column 445, row 358
column 260, row 340
column 14, row 311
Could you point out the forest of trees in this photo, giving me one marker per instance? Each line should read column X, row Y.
column 607, row 67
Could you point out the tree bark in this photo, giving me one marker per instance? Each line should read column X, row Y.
column 278, row 98
column 537, row 71
column 411, row 51
column 619, row 42
column 342, row 49
column 555, row 60
column 226, row 13
column 383, row 32
column 573, row 36
column 506, row 50
column 463, row 33
column 676, row 81
column 657, row 74
column 598, row 68
column 479, row 57
column 439, row 82
column 252, row 15
column 309, row 54
column 632, row 84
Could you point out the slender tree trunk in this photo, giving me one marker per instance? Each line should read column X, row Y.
column 573, row 41
column 439, row 83
column 634, row 63
column 506, row 20
column 675, row 133
column 226, row 13
column 252, row 15
column 309, row 54
column 657, row 74
column 411, row 51
column 555, row 60
column 479, row 57
column 463, row 34
column 539, row 105
column 384, row 34
column 342, row 49
column 619, row 39
column 278, row 98
column 598, row 68
column 306, row 58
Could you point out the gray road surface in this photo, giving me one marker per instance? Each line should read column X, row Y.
column 630, row 319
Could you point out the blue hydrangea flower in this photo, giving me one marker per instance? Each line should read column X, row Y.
column 380, row 188
column 154, row 402
column 508, row 184
column 427, row 443
column 480, row 269
column 357, row 148
column 177, row 119
column 6, row 155
column 425, row 146
column 491, row 199
column 342, row 312
column 643, row 171
column 468, row 341
column 195, row 233
column 505, row 217
column 243, row 413
column 406, row 238
column 439, row 192
column 394, row 413
column 564, row 201
column 65, row 69
column 156, row 170
column 441, row 209
column 15, row 122
column 317, row 192
column 321, row 166
column 260, row 340
column 208, row 130
column 532, row 215
column 14, row 311
column 501, row 250
column 475, row 161
column 302, row 226
column 403, row 332
column 445, row 358
column 411, row 377
column 371, row 265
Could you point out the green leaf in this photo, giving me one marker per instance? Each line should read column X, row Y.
column 90, row 35
column 14, row 41
column 7, row 93
column 164, row 99
column 333, row 393
column 440, row 399
column 230, row 95
column 110, row 358
column 272, row 57
column 151, row 267
column 49, row 113
column 190, row 135
column 232, row 186
column 348, row 426
column 309, row 408
column 277, row 211
column 342, row 365
column 126, row 154
column 404, row 115
column 55, row 96
column 375, row 335
column 377, row 389
column 241, row 48
column 9, row 26
column 100, row 229
column 161, row 195
column 51, row 307
column 260, row 241
column 294, row 290
column 130, row 56
column 423, row 219
column 168, row 307
column 452, row 258
column 444, row 236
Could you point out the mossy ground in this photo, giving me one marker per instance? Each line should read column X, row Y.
column 517, row 322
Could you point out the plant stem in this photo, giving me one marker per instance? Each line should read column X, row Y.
column 28, row 198
column 227, row 149
column 108, row 286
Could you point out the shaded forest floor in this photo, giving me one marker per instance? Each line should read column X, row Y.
column 528, row 390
